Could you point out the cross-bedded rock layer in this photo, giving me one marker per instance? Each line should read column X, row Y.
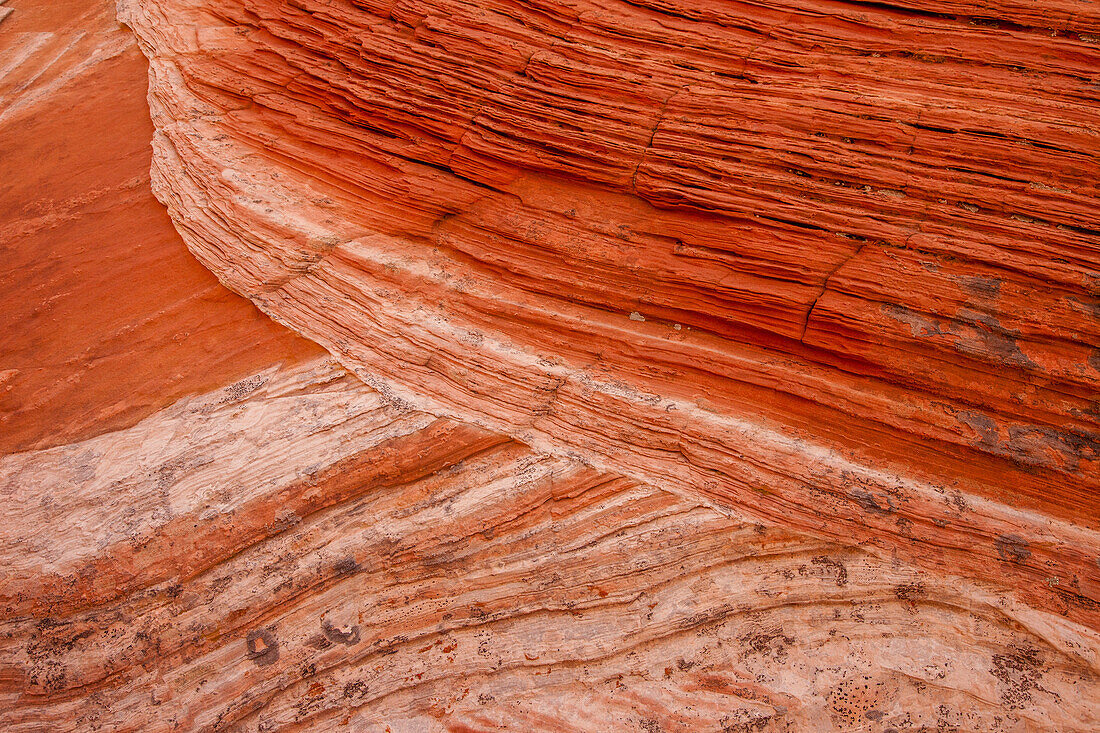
column 832, row 265
column 601, row 237
column 295, row 552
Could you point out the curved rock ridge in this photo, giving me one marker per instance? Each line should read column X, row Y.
column 314, row 557
column 831, row 265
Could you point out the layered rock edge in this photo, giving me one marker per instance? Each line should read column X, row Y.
column 825, row 269
column 300, row 551
column 105, row 317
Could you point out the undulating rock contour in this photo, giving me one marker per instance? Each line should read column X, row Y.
column 648, row 365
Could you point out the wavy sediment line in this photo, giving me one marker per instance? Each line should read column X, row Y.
column 324, row 557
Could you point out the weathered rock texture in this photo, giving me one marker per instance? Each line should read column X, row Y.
column 828, row 264
column 697, row 366
column 311, row 555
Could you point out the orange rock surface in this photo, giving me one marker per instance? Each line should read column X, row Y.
column 692, row 365
column 821, row 263
column 106, row 317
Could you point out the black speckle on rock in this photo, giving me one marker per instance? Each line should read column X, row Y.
column 910, row 592
column 355, row 689
column 347, row 566
column 828, row 562
column 868, row 501
column 771, row 643
column 1019, row 671
column 239, row 390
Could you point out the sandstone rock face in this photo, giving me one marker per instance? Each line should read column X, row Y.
column 716, row 366
column 823, row 265
column 313, row 556
column 105, row 317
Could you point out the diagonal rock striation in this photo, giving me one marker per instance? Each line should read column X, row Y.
column 314, row 557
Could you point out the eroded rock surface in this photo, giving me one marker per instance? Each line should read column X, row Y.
column 828, row 265
column 104, row 316
column 694, row 366
column 315, row 555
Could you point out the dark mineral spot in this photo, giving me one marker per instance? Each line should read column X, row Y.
column 910, row 592
column 347, row 635
column 853, row 699
column 263, row 648
column 1012, row 548
column 355, row 689
column 982, row 286
column 318, row 641
column 346, row 566
column 771, row 643
column 868, row 501
column 1019, row 672
column 749, row 724
column 240, row 390
column 829, row 563
column 984, row 426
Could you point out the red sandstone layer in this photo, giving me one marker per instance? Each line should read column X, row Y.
column 824, row 265
column 104, row 315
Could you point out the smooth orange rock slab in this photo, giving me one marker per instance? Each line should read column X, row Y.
column 826, row 265
column 104, row 315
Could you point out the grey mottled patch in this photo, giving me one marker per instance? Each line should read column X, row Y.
column 263, row 647
column 869, row 501
column 346, row 636
column 975, row 333
column 1012, row 548
column 981, row 285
